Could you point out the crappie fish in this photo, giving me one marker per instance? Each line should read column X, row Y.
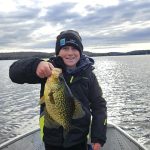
column 61, row 105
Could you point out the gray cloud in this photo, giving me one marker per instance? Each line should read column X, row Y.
column 111, row 19
column 16, row 26
column 125, row 23
column 22, row 14
column 60, row 13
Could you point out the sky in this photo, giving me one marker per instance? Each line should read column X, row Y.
column 104, row 25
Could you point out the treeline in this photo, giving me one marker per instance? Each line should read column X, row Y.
column 21, row 55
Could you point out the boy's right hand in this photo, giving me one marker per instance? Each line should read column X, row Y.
column 44, row 69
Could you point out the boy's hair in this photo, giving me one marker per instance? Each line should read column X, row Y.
column 69, row 38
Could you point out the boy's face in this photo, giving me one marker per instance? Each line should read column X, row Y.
column 70, row 56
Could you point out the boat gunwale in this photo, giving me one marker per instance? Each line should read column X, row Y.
column 19, row 137
column 110, row 125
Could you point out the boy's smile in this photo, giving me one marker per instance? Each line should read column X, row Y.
column 70, row 56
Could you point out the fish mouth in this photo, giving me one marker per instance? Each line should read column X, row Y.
column 56, row 72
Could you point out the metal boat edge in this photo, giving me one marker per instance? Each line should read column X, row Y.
column 110, row 125
column 19, row 137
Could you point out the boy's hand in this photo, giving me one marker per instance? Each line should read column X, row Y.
column 44, row 69
column 96, row 146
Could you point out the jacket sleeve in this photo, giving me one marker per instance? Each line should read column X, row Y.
column 24, row 71
column 99, row 112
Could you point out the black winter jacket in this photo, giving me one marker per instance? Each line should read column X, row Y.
column 84, row 87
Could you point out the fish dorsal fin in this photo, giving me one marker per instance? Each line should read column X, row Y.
column 78, row 112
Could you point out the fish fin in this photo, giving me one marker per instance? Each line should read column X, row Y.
column 41, row 100
column 51, row 98
column 79, row 112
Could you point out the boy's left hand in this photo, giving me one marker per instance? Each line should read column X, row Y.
column 96, row 146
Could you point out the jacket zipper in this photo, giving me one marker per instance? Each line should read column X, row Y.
column 71, row 79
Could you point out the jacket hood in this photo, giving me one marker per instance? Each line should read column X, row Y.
column 84, row 63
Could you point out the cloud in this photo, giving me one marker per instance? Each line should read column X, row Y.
column 36, row 27
column 122, row 24
column 16, row 26
column 61, row 13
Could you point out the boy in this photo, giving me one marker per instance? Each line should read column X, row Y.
column 78, row 73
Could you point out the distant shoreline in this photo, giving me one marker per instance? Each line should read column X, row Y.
column 22, row 55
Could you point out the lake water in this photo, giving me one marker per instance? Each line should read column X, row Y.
column 125, row 81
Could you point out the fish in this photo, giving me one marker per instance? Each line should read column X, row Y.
column 61, row 105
